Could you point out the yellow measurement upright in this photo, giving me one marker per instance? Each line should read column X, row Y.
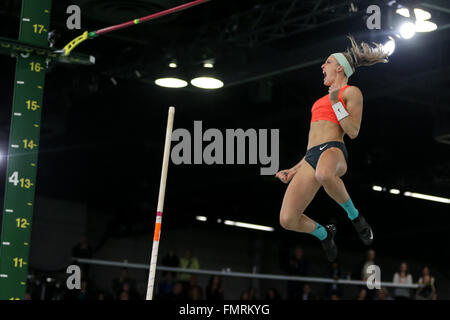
column 23, row 150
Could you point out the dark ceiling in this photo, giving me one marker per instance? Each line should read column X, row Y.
column 102, row 142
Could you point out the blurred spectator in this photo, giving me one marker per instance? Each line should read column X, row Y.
column 431, row 286
column 187, row 262
column 272, row 294
column 364, row 274
column 178, row 293
column 307, row 293
column 335, row 272
column 124, row 295
column 118, row 284
column 370, row 260
column 383, row 294
column 362, row 294
column 334, row 296
column 402, row 277
column 425, row 272
column 428, row 291
column 165, row 288
column 171, row 260
column 101, row 295
column 195, row 293
column 297, row 267
column 194, row 287
column 27, row 296
column 252, row 295
column 245, row 295
column 84, row 293
column 214, row 289
column 132, row 294
column 83, row 250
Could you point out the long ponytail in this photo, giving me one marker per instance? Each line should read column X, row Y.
column 364, row 54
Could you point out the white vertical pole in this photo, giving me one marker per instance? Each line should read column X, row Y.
column 159, row 211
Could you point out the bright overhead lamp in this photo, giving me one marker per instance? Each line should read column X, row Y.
column 389, row 46
column 426, row 197
column 422, row 14
column 247, row 225
column 403, row 12
column 425, row 26
column 207, row 83
column 171, row 77
column 171, row 82
column 407, row 30
column 207, row 78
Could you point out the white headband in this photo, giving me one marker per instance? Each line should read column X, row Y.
column 342, row 60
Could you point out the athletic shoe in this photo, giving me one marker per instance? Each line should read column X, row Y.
column 364, row 230
column 328, row 244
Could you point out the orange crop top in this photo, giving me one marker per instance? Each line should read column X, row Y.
column 322, row 110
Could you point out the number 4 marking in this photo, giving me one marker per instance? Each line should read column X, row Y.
column 14, row 179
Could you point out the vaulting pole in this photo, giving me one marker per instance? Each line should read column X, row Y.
column 159, row 211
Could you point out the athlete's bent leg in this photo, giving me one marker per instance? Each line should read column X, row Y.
column 330, row 167
column 299, row 194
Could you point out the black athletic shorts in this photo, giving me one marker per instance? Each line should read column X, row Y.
column 312, row 155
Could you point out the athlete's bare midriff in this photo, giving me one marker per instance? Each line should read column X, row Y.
column 323, row 131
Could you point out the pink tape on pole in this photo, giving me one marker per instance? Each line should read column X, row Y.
column 159, row 214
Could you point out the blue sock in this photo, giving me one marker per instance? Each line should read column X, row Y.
column 319, row 232
column 348, row 206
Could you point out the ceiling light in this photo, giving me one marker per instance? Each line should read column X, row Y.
column 425, row 26
column 171, row 83
column 247, row 225
column 426, row 197
column 389, row 46
column 407, row 30
column 422, row 14
column 170, row 76
column 403, row 12
column 207, row 83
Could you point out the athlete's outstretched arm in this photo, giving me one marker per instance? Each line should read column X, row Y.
column 286, row 175
column 352, row 123
column 298, row 164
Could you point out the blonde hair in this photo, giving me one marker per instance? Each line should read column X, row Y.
column 364, row 55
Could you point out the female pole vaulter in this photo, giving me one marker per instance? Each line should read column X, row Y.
column 334, row 115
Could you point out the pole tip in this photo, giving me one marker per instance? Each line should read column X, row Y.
column 171, row 109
